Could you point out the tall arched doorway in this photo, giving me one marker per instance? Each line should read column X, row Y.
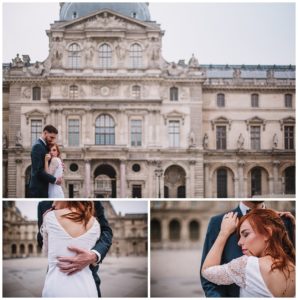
column 155, row 230
column 194, row 232
column 175, row 182
column 175, row 229
column 105, row 182
column 290, row 180
column 27, row 181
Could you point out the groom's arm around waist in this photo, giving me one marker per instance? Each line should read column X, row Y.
column 37, row 156
column 105, row 240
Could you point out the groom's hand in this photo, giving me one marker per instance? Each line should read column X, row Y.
column 58, row 181
column 74, row 264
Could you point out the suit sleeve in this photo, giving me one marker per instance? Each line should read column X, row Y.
column 105, row 240
column 42, row 207
column 38, row 164
column 211, row 289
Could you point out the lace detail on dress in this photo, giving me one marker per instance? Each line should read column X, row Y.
column 53, row 165
column 44, row 233
column 232, row 272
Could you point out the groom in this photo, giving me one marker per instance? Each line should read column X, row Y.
column 231, row 250
column 40, row 179
column 84, row 257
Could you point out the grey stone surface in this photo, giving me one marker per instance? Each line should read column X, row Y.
column 176, row 273
column 120, row 277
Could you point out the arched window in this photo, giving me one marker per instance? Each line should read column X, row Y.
column 105, row 56
column 155, row 231
column 256, row 181
column 222, row 183
column 73, row 91
column 74, row 56
column 13, row 249
column 135, row 56
column 136, row 91
column 36, row 93
column 174, row 93
column 22, row 249
column 221, row 100
column 30, row 249
column 104, row 130
column 175, row 229
column 193, row 230
column 290, row 180
column 254, row 100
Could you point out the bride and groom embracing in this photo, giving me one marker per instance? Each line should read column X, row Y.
column 46, row 166
column 75, row 236
column 249, row 252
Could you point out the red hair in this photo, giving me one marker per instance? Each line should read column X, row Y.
column 82, row 211
column 269, row 224
column 55, row 145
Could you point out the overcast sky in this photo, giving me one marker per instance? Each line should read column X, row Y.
column 29, row 208
column 217, row 33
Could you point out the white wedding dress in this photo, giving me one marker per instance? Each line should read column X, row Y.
column 245, row 272
column 55, row 243
column 55, row 169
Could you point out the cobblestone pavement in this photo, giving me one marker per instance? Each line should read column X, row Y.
column 175, row 273
column 120, row 277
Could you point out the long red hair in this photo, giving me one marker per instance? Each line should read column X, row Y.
column 82, row 211
column 269, row 224
column 55, row 145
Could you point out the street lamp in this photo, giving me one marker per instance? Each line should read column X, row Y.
column 158, row 173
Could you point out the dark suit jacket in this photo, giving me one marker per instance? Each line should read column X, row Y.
column 103, row 244
column 40, row 179
column 231, row 251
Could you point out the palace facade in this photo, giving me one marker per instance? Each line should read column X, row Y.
column 132, row 124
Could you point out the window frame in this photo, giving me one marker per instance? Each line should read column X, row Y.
column 74, row 56
column 135, row 56
column 74, row 134
column 105, row 130
column 221, row 100
column 255, row 137
column 255, row 100
column 221, row 137
column 174, row 133
column 105, row 56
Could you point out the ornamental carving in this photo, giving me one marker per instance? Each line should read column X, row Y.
column 26, row 92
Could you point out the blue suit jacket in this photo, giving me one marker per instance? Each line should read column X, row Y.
column 103, row 243
column 40, row 179
column 231, row 251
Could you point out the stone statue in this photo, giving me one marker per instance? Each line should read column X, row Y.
column 275, row 141
column 17, row 61
column 89, row 53
column 192, row 139
column 205, row 141
column 240, row 142
column 193, row 62
column 237, row 73
column 57, row 53
column 19, row 139
column 120, row 47
column 270, row 74
column 4, row 140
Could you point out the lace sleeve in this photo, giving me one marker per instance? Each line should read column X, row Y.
column 232, row 272
column 53, row 165
column 44, row 233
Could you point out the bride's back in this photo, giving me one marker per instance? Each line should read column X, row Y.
column 275, row 280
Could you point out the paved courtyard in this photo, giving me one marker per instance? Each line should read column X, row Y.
column 176, row 273
column 120, row 277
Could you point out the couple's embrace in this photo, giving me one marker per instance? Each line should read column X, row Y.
column 75, row 236
column 249, row 252
column 46, row 166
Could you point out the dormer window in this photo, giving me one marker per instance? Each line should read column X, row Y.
column 74, row 15
column 134, row 14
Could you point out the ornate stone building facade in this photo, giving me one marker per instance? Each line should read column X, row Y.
column 132, row 124
column 19, row 234
column 183, row 224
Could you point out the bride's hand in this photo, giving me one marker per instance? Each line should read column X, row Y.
column 288, row 215
column 47, row 157
column 229, row 223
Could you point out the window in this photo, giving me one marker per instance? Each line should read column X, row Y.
column 136, row 56
column 288, row 100
column 136, row 133
column 221, row 138
column 222, row 183
column 73, row 91
column 181, row 192
column 255, row 137
column 256, row 182
column 105, row 56
column 289, row 137
column 290, row 180
column 136, row 91
column 254, row 100
column 174, row 93
column 74, row 56
column 155, row 231
column 136, row 191
column 104, row 130
column 73, row 132
column 175, row 229
column 36, row 93
column 193, row 230
column 36, row 130
column 174, row 133
column 220, row 100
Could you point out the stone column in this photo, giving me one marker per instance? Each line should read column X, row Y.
column 164, row 231
column 19, row 182
column 87, row 178
column 208, row 182
column 271, row 187
column 191, row 188
column 240, row 194
column 122, row 179
column 276, row 183
column 184, row 231
column 236, row 188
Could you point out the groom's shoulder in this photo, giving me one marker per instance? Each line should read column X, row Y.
column 218, row 218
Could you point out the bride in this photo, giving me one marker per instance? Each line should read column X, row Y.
column 54, row 168
column 267, row 267
column 71, row 223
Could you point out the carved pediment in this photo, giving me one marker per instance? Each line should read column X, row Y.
column 221, row 121
column 174, row 115
column 255, row 121
column 287, row 121
column 35, row 113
